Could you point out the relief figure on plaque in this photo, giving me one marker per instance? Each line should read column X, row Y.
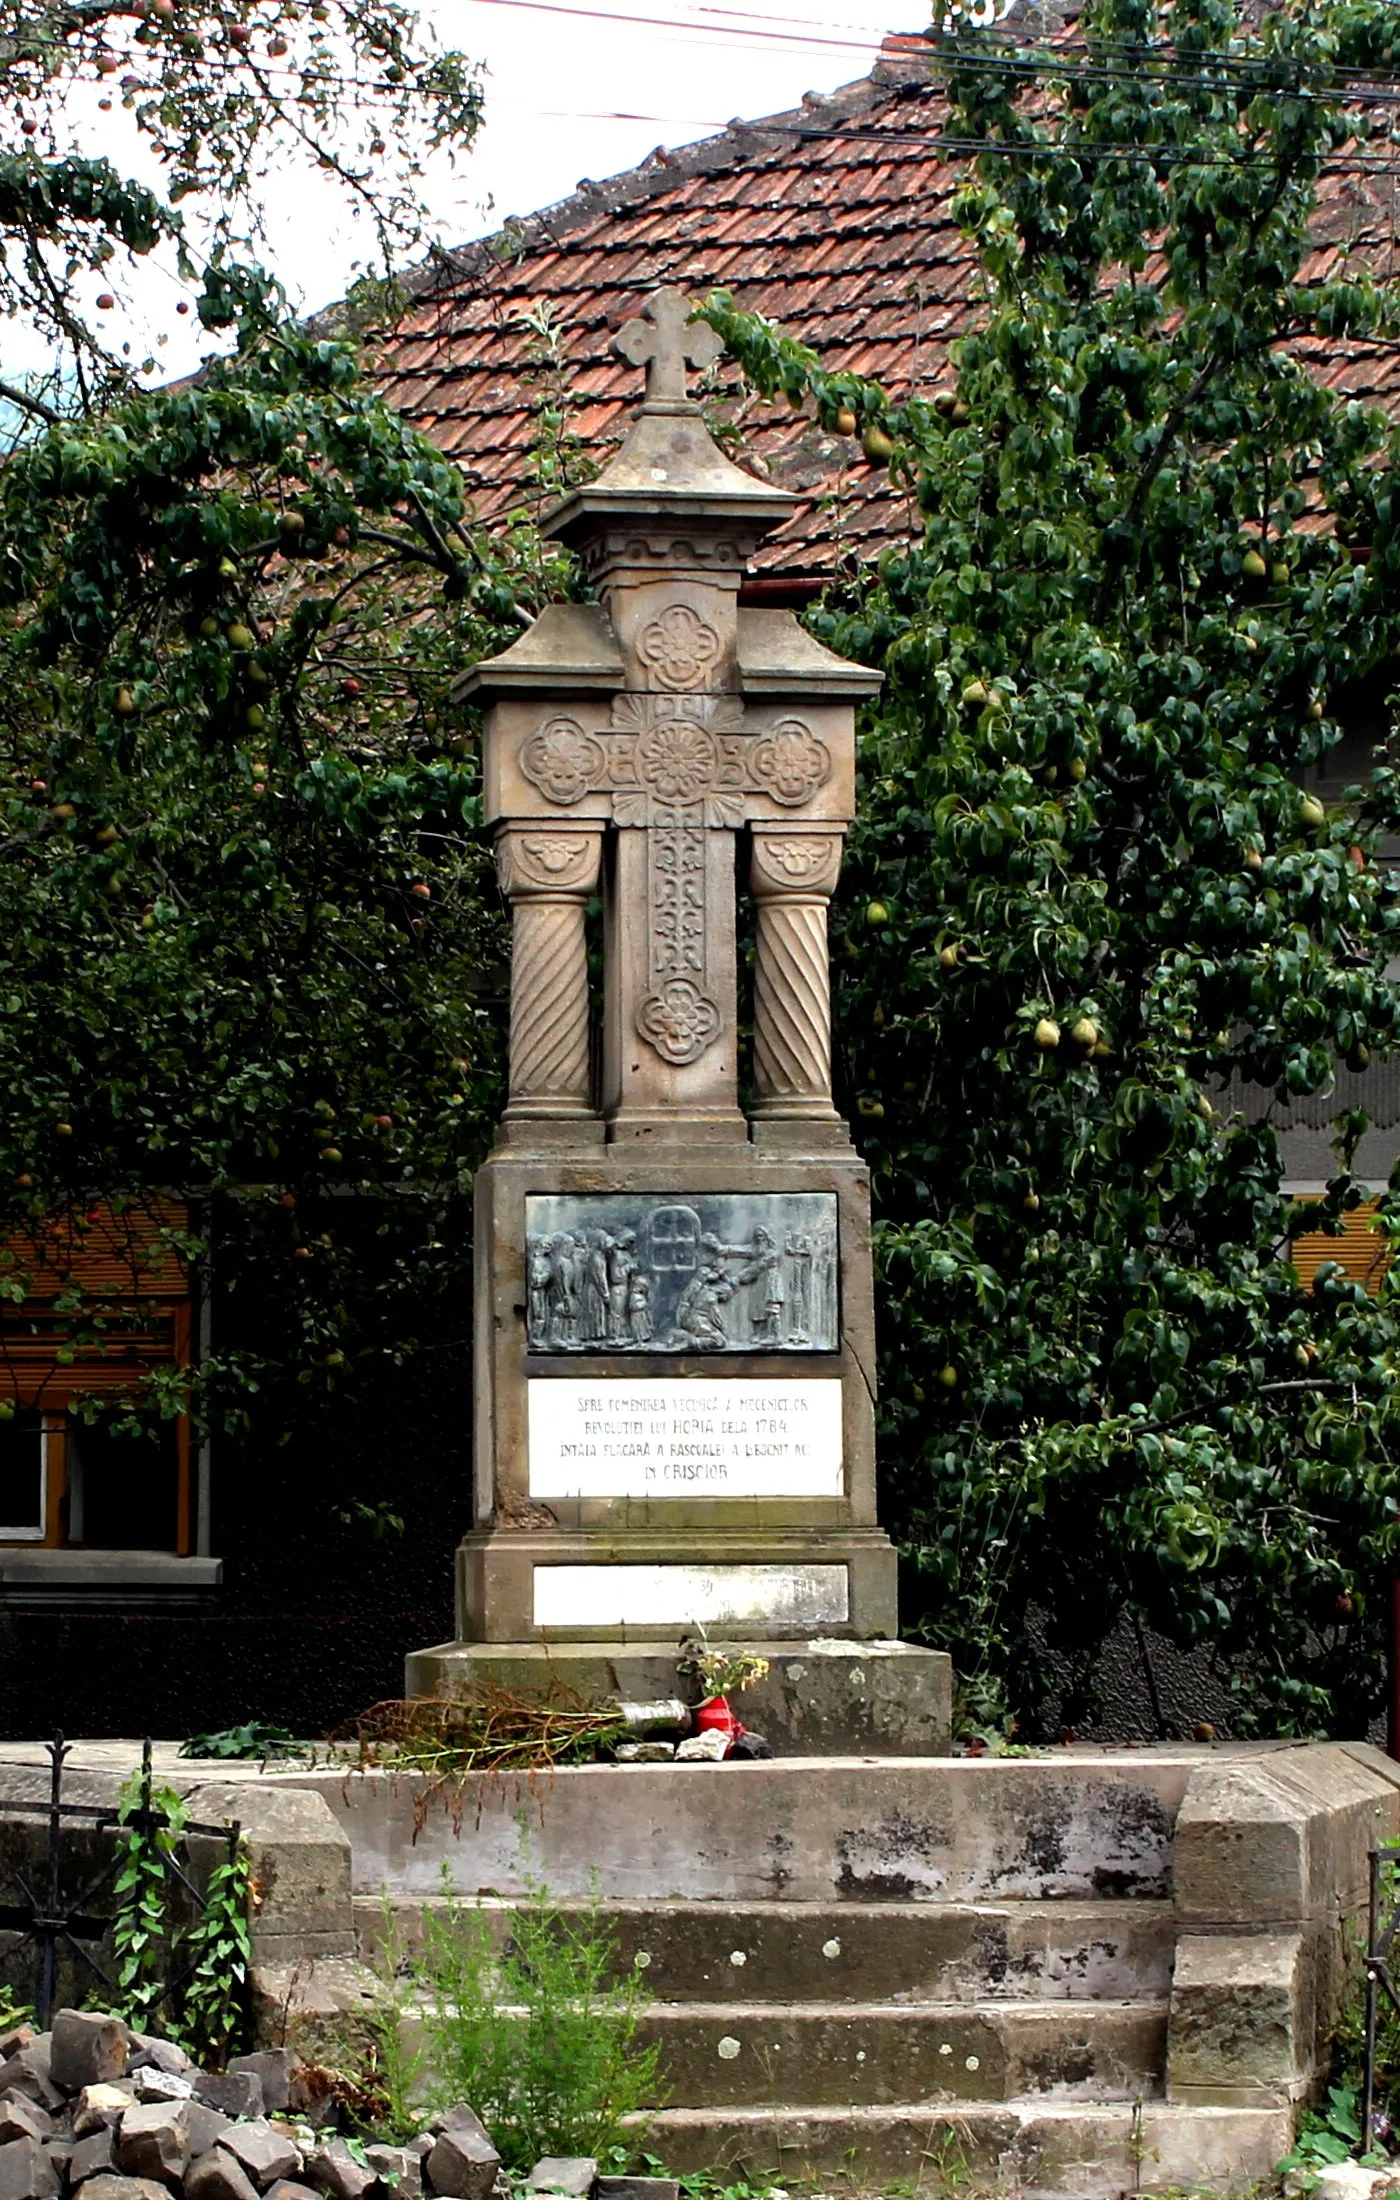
column 622, row 1266
column 761, row 1271
column 820, row 1270
column 596, row 1246
column 798, row 1247
column 562, row 1327
column 629, row 1272
column 537, row 1280
column 639, row 1309
column 699, row 1313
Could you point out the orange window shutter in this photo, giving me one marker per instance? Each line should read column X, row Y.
column 1360, row 1250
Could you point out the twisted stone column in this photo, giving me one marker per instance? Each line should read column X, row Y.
column 548, row 871
column 792, row 874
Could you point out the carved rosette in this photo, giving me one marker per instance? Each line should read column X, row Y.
column 563, row 761
column 792, row 877
column 679, row 648
column 790, row 763
column 548, row 872
column 679, row 1021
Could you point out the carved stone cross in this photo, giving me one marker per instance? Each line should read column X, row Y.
column 679, row 767
column 662, row 340
column 635, row 740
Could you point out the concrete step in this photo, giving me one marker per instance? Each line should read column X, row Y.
column 1030, row 2147
column 861, row 1952
column 840, row 2054
column 935, row 1830
column 830, row 2055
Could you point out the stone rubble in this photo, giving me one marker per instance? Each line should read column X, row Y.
column 265, row 2152
column 94, row 2156
column 399, row 2167
column 463, row 2163
column 93, row 2111
column 572, row 2175
column 217, row 2176
column 149, row 2083
column 334, row 2171
column 1353, row 2181
column 86, row 2048
column 153, row 2141
column 231, row 2092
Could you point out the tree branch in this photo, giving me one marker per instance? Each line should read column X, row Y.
column 35, row 405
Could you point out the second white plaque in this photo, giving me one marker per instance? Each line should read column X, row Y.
column 684, row 1439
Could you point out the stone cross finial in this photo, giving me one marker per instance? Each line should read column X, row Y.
column 663, row 340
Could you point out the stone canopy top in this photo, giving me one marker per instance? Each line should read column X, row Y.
column 666, row 718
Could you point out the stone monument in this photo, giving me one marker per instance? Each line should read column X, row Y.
column 674, row 1347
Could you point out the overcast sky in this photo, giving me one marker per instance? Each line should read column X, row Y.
column 579, row 90
column 573, row 88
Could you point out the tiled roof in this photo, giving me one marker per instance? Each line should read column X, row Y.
column 835, row 221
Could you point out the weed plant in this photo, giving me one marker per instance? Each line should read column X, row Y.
column 255, row 1739
column 539, row 2036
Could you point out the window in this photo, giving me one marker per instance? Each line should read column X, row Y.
column 24, row 1513
column 123, row 1487
column 106, row 1302
column 675, row 1237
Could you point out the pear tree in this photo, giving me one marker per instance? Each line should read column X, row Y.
column 1092, row 904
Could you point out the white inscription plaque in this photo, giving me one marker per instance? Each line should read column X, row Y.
column 664, row 1596
column 670, row 1438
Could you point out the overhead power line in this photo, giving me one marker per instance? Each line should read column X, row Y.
column 1159, row 63
column 1156, row 65
column 1053, row 57
column 1364, row 88
column 936, row 51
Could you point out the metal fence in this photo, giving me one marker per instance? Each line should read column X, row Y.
column 51, row 1916
column 1382, row 1926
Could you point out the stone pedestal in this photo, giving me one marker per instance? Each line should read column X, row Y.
column 799, row 1551
column 820, row 1698
column 674, row 1347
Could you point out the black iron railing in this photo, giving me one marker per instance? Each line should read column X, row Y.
column 47, row 1918
column 1382, row 1927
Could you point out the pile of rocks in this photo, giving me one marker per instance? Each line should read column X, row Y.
column 94, row 2110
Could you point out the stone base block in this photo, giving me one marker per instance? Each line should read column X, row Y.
column 639, row 1583
column 1242, row 2020
column 1088, row 2050
column 1060, row 1954
column 329, row 2010
column 824, row 1698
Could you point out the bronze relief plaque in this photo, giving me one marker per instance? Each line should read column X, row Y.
column 682, row 1272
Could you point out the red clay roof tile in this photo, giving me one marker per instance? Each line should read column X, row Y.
column 835, row 220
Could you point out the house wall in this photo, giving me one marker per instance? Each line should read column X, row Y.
column 314, row 1616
